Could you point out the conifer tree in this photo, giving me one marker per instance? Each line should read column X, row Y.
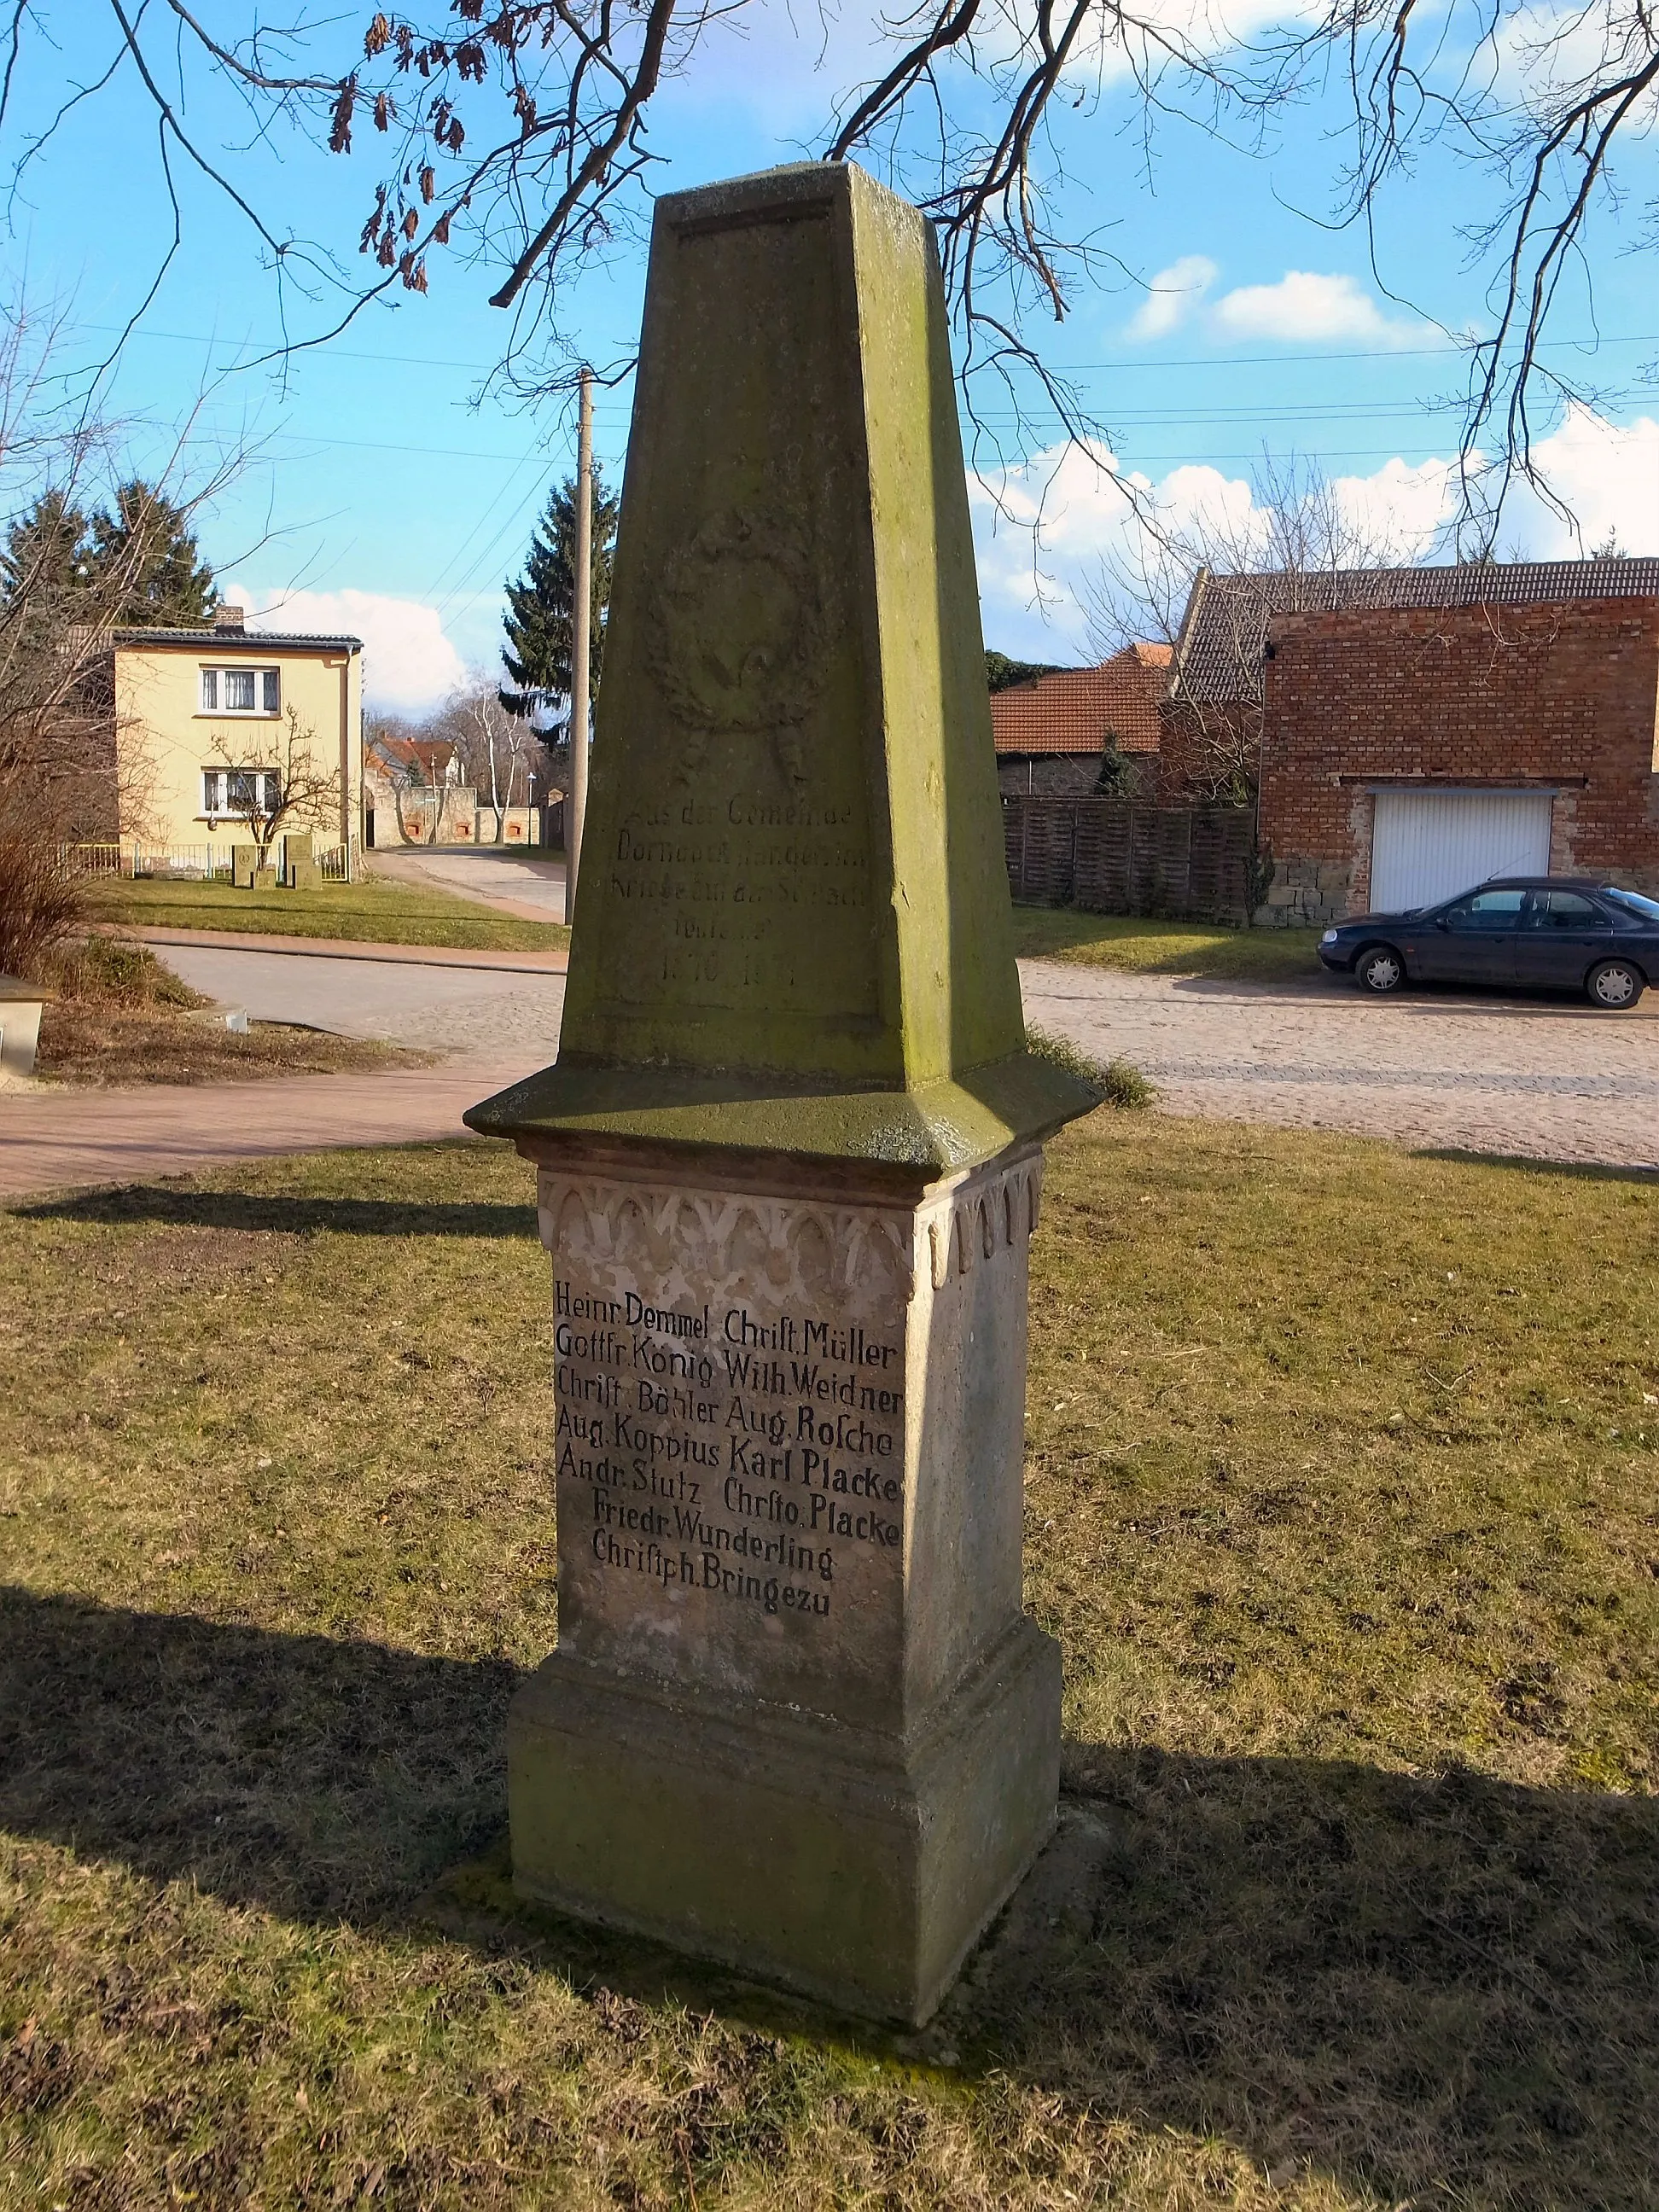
column 536, row 654
column 148, row 551
column 45, row 552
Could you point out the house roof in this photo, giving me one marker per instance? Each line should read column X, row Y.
column 1225, row 627
column 1073, row 710
column 429, row 754
column 225, row 641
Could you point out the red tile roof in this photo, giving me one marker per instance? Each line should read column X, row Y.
column 1073, row 710
column 429, row 756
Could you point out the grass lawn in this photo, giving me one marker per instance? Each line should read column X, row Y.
column 1164, row 948
column 376, row 911
column 1341, row 1498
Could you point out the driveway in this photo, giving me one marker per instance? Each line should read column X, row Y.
column 1534, row 1078
column 510, row 880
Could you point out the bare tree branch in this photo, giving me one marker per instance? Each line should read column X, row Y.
column 515, row 139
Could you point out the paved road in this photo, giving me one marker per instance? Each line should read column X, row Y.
column 1534, row 1078
column 484, row 1012
column 499, row 1023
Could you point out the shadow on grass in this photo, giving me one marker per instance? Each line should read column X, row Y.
column 290, row 1216
column 1444, row 1987
column 1575, row 1171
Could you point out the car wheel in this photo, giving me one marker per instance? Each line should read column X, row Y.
column 1379, row 969
column 1613, row 985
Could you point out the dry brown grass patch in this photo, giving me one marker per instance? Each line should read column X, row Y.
column 1356, row 1899
column 123, row 1017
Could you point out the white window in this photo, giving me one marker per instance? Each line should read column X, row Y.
column 241, row 691
column 238, row 794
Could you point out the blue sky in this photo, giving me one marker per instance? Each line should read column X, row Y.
column 381, row 499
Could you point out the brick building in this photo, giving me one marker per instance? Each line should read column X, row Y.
column 1213, row 705
column 1409, row 751
column 1053, row 732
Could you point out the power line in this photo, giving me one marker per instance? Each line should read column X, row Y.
column 1276, row 360
column 489, row 552
column 1594, row 343
column 1169, row 418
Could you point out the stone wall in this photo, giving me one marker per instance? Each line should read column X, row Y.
column 1561, row 695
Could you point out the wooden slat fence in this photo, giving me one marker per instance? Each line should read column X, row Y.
column 1123, row 856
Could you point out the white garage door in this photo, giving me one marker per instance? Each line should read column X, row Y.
column 1430, row 845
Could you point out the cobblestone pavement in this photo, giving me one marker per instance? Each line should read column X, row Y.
column 1532, row 1078
column 1536, row 1077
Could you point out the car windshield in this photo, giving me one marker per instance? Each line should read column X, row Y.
column 1647, row 908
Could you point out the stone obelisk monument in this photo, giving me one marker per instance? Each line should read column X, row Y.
column 789, row 1158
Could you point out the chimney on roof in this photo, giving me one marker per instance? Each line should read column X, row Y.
column 229, row 617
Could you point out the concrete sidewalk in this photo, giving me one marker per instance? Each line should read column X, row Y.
column 52, row 1140
column 350, row 948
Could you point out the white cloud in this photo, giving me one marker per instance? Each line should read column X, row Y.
column 1401, row 509
column 1172, row 296
column 1607, row 473
column 1032, row 593
column 1079, row 504
column 1302, row 306
column 785, row 68
column 1545, row 52
column 1109, row 51
column 409, row 664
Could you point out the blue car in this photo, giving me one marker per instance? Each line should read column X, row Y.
column 1556, row 933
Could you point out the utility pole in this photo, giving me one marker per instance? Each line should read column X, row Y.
column 580, row 621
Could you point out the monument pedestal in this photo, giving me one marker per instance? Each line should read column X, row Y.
column 855, row 1867
column 797, row 1721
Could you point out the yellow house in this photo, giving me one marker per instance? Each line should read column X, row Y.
column 214, row 725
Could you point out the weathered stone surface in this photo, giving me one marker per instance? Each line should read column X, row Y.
column 20, row 1007
column 792, row 929
column 789, row 1159
column 787, row 1445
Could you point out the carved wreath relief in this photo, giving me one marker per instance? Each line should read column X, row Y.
column 743, row 619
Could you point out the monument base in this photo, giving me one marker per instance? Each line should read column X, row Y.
column 856, row 1867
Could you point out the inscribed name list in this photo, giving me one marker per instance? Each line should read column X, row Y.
column 730, row 1440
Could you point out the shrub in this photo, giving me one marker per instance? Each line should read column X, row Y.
column 39, row 901
column 117, row 973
